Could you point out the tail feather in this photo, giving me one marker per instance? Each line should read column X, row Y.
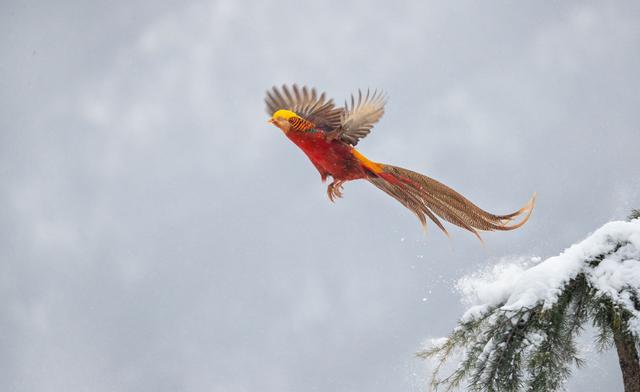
column 426, row 197
column 449, row 214
column 410, row 201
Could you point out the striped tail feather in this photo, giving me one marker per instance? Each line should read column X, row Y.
column 428, row 198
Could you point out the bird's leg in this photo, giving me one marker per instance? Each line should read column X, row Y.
column 337, row 188
column 334, row 190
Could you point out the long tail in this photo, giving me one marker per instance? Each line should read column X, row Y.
column 427, row 197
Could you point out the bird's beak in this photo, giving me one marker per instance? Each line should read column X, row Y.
column 271, row 121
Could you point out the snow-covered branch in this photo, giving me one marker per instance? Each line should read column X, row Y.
column 519, row 331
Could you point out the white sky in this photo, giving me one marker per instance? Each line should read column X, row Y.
column 157, row 234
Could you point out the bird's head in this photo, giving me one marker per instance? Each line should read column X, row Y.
column 282, row 119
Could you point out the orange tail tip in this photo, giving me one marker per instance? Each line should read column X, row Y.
column 527, row 208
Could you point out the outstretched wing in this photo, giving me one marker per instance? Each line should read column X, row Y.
column 358, row 117
column 306, row 103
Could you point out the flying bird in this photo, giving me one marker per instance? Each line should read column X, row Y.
column 328, row 134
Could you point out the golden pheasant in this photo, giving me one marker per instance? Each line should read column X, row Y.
column 327, row 134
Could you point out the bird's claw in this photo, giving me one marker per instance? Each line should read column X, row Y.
column 334, row 190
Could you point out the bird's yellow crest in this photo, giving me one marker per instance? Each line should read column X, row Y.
column 286, row 114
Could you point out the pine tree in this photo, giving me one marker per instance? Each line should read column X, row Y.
column 527, row 340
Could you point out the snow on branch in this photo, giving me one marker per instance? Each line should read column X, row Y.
column 520, row 329
column 609, row 257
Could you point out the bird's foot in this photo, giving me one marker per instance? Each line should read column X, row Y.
column 334, row 190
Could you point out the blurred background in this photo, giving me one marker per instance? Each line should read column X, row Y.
column 157, row 234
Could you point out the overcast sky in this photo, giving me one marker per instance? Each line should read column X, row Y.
column 157, row 234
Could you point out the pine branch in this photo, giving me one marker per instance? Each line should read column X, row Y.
column 534, row 348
